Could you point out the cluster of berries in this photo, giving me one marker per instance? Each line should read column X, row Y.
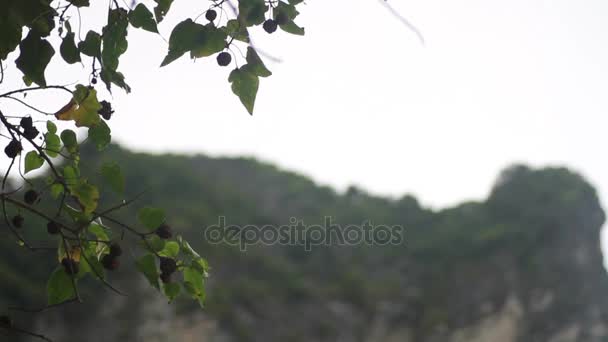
column 110, row 261
column 14, row 147
column 270, row 26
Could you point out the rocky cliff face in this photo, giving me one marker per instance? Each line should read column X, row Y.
column 525, row 265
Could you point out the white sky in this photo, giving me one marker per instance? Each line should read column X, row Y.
column 359, row 100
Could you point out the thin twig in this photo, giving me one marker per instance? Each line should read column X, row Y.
column 403, row 20
column 28, row 105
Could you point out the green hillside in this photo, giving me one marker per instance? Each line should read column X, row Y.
column 523, row 237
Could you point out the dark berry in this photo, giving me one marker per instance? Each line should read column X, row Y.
column 224, row 58
column 60, row 30
column 53, row 228
column 70, row 266
column 26, row 122
column 281, row 18
column 30, row 133
column 94, row 80
column 110, row 262
column 106, row 110
column 211, row 15
column 115, row 250
column 18, row 221
column 164, row 231
column 6, row 322
column 165, row 277
column 270, row 26
column 30, row 196
column 167, row 265
column 13, row 149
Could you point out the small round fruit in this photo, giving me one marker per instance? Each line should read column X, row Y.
column 26, row 122
column 53, row 228
column 165, row 277
column 70, row 266
column 30, row 196
column 115, row 250
column 18, row 221
column 224, row 58
column 211, row 15
column 13, row 149
column 110, row 262
column 164, row 231
column 30, row 133
column 94, row 80
column 167, row 265
column 106, row 110
column 270, row 26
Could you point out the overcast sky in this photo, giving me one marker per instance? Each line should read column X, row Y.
column 359, row 100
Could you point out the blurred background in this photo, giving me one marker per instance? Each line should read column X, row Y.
column 484, row 140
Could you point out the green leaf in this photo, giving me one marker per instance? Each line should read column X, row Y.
column 59, row 287
column 69, row 50
column 201, row 265
column 70, row 175
column 234, row 29
column 87, row 195
column 50, row 126
column 10, row 36
column 141, row 17
column 289, row 10
column 171, row 249
column 114, row 38
column 52, row 144
column 153, row 243
column 150, row 217
column 91, row 45
column 77, row 215
column 100, row 135
column 245, row 85
column 112, row 76
column 33, row 161
column 182, row 39
column 161, row 9
column 171, row 290
column 35, row 55
column 91, row 264
column 68, row 137
column 43, row 23
column 292, row 28
column 99, row 232
column 255, row 64
column 113, row 175
column 252, row 12
column 210, row 40
column 194, row 283
column 200, row 40
column 56, row 190
column 79, row 3
column 186, row 248
column 147, row 266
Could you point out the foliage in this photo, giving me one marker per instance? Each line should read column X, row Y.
column 84, row 233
